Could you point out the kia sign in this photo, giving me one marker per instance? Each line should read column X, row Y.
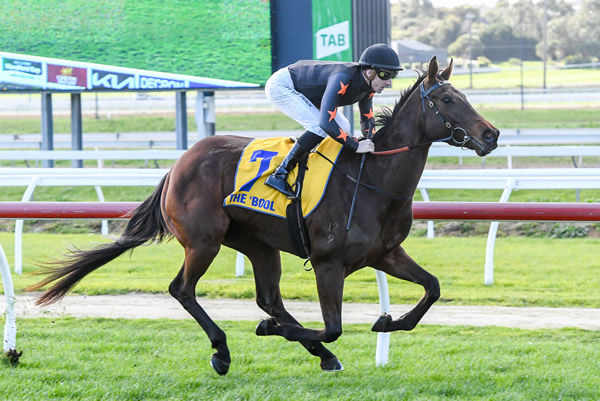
column 112, row 80
column 20, row 72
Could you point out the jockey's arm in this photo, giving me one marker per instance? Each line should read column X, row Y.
column 329, row 109
column 367, row 119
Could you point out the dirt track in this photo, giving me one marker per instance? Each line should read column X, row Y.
column 152, row 306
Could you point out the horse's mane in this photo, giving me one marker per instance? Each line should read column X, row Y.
column 387, row 115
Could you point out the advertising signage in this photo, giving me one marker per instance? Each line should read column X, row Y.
column 332, row 28
column 19, row 72
column 67, row 75
column 218, row 39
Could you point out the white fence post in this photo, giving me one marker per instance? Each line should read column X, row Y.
column 239, row 265
column 19, row 227
column 425, row 196
column 10, row 325
column 383, row 339
column 488, row 278
column 104, row 224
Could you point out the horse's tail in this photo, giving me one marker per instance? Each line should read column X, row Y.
column 146, row 224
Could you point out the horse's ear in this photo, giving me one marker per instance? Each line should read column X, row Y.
column 445, row 75
column 432, row 71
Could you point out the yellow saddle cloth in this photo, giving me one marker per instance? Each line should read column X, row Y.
column 260, row 158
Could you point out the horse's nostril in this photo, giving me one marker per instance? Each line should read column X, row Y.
column 490, row 136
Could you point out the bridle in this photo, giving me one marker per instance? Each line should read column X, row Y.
column 453, row 129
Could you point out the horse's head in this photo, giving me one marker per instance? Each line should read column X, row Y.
column 449, row 117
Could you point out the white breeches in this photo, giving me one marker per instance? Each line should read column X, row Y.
column 281, row 92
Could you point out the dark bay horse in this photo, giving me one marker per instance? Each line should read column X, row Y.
column 188, row 204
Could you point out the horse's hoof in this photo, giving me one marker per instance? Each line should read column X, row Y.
column 13, row 356
column 332, row 365
column 265, row 327
column 220, row 366
column 382, row 325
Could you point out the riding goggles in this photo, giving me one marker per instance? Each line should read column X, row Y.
column 384, row 75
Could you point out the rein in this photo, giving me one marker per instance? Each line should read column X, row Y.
column 358, row 182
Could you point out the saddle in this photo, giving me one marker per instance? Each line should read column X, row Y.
column 259, row 159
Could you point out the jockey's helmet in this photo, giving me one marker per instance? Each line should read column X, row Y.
column 380, row 56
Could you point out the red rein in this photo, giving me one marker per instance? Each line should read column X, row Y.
column 391, row 152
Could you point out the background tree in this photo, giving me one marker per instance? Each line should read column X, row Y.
column 440, row 33
column 586, row 19
column 560, row 38
column 576, row 37
column 460, row 47
column 508, row 30
column 525, row 17
column 412, row 17
column 501, row 43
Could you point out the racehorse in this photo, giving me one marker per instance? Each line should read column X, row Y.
column 188, row 204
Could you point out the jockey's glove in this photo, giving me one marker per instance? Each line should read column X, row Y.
column 365, row 146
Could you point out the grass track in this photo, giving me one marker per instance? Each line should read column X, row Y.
column 528, row 271
column 103, row 359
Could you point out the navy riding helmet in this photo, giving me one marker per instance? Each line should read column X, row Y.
column 380, row 56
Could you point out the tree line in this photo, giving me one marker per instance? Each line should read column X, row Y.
column 525, row 29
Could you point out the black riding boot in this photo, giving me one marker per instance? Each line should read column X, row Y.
column 304, row 144
column 278, row 180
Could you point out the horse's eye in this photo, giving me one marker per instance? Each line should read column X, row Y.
column 446, row 99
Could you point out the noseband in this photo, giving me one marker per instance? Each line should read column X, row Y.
column 425, row 95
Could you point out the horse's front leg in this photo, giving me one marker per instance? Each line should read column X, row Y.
column 398, row 264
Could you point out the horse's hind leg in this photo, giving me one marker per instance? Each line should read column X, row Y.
column 183, row 288
column 330, row 286
column 266, row 263
column 398, row 264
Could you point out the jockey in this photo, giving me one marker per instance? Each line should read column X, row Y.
column 310, row 92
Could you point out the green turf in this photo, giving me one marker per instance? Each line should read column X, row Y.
column 528, row 271
column 226, row 40
column 103, row 359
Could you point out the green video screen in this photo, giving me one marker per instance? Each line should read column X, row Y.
column 221, row 39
